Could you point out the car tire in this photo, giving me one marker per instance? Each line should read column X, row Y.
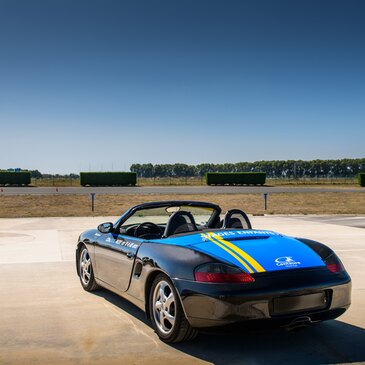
column 167, row 315
column 86, row 272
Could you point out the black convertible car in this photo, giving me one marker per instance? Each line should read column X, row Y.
column 190, row 268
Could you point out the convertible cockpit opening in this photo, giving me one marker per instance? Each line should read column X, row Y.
column 160, row 220
column 154, row 221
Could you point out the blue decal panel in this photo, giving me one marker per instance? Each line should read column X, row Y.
column 251, row 250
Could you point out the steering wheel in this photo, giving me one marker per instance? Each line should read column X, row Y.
column 150, row 227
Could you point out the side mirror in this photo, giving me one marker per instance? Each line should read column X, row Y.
column 105, row 227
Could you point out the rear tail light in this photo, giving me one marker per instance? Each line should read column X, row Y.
column 220, row 273
column 334, row 264
column 334, row 267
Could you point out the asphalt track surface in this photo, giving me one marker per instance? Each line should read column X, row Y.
column 46, row 317
column 173, row 190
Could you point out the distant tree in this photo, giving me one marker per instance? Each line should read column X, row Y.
column 147, row 170
column 203, row 168
column 162, row 170
column 183, row 170
column 137, row 168
column 36, row 174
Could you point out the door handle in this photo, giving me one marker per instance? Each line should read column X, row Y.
column 130, row 255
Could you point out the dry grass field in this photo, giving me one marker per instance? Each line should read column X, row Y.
column 107, row 205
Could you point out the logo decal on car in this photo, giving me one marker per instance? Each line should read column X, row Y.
column 123, row 242
column 286, row 261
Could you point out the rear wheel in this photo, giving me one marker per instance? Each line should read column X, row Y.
column 86, row 272
column 167, row 315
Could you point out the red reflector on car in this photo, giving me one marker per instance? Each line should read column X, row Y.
column 209, row 277
column 334, row 264
column 334, row 267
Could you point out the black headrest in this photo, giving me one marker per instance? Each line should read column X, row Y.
column 234, row 223
column 236, row 218
column 180, row 222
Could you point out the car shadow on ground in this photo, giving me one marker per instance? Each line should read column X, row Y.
column 123, row 304
column 322, row 343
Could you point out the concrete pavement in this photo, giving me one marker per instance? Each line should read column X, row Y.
column 46, row 317
column 342, row 220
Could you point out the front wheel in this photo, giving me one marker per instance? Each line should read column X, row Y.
column 168, row 318
column 86, row 272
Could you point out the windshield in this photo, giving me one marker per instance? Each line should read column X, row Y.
column 161, row 215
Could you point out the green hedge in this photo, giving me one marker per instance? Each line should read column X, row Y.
column 15, row 178
column 236, row 178
column 362, row 179
column 108, row 178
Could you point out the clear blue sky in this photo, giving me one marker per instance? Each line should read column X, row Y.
column 99, row 85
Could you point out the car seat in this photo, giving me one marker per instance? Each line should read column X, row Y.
column 236, row 218
column 180, row 222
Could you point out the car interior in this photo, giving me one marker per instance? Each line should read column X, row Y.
column 182, row 221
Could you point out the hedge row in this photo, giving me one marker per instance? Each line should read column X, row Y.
column 236, row 178
column 362, row 179
column 108, row 178
column 15, row 178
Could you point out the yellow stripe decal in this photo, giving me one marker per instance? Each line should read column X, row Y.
column 240, row 252
column 230, row 252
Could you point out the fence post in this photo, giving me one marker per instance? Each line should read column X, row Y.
column 265, row 195
column 92, row 195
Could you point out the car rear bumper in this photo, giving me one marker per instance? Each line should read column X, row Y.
column 207, row 305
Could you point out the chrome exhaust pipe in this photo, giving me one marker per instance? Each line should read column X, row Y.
column 298, row 322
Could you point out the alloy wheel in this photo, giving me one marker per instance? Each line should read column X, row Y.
column 164, row 307
column 85, row 267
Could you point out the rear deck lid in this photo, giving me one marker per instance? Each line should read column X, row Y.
column 254, row 251
column 258, row 251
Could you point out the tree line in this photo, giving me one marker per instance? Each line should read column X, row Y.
column 38, row 175
column 274, row 169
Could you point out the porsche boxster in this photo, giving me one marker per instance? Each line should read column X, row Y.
column 190, row 267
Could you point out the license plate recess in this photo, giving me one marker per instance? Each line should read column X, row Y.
column 299, row 303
